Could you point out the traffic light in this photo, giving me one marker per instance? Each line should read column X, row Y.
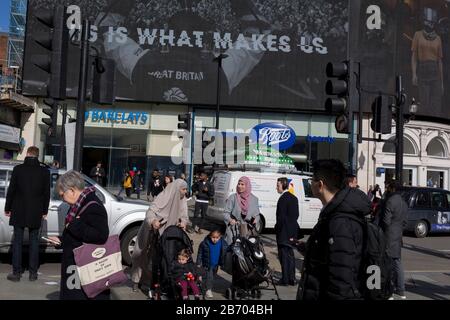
column 185, row 121
column 381, row 115
column 54, row 40
column 103, row 82
column 342, row 86
column 51, row 110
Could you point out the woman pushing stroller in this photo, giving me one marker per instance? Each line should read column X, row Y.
column 168, row 209
column 241, row 208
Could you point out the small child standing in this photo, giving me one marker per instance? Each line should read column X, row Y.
column 211, row 255
column 185, row 274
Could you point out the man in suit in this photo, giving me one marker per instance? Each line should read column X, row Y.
column 26, row 205
column 98, row 173
column 286, row 228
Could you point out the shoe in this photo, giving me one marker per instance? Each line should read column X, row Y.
column 33, row 277
column 391, row 298
column 209, row 294
column 135, row 287
column 14, row 277
column 197, row 297
column 197, row 229
column 402, row 297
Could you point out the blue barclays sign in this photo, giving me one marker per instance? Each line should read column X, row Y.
column 329, row 140
column 275, row 135
column 117, row 117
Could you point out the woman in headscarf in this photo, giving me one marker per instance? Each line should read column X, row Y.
column 168, row 209
column 241, row 207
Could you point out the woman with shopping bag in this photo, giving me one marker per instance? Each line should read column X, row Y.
column 86, row 223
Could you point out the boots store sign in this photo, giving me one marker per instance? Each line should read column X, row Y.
column 164, row 49
column 274, row 135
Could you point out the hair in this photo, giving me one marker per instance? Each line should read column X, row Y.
column 332, row 173
column 33, row 151
column 99, row 162
column 349, row 178
column 184, row 253
column 284, row 182
column 168, row 176
column 71, row 179
column 393, row 186
column 213, row 232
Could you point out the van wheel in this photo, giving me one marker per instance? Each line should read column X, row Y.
column 127, row 243
column 261, row 225
column 421, row 229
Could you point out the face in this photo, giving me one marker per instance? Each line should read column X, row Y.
column 279, row 187
column 167, row 180
column 183, row 176
column 204, row 177
column 215, row 237
column 99, row 165
column 70, row 196
column 183, row 192
column 182, row 259
column 241, row 187
column 316, row 187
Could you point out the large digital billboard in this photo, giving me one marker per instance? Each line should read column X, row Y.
column 164, row 49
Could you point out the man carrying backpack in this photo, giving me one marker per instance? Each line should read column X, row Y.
column 333, row 252
column 392, row 220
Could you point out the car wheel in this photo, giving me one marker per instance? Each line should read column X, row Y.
column 261, row 225
column 421, row 229
column 127, row 244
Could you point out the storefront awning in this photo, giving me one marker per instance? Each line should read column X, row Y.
column 17, row 101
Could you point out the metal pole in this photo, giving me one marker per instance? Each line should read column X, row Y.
column 399, row 132
column 82, row 85
column 219, row 87
column 62, row 138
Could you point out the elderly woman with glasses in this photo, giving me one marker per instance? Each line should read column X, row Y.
column 86, row 222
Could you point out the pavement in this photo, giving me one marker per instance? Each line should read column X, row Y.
column 425, row 261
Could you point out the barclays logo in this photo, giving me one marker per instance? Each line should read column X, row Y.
column 274, row 135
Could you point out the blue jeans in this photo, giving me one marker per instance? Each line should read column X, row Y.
column 33, row 250
column 210, row 275
column 398, row 277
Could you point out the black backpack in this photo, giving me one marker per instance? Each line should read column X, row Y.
column 375, row 270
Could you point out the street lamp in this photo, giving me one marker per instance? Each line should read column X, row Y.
column 219, row 59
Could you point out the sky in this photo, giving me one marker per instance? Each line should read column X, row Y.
column 4, row 15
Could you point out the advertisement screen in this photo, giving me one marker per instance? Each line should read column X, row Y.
column 275, row 50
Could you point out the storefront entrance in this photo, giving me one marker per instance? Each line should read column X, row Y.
column 90, row 158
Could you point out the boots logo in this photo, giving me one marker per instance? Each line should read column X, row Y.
column 275, row 135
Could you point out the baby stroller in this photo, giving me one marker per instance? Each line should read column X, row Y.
column 249, row 267
column 171, row 242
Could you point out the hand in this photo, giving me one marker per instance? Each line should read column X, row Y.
column 414, row 80
column 55, row 239
column 44, row 217
column 8, row 213
column 156, row 224
column 232, row 222
column 205, row 190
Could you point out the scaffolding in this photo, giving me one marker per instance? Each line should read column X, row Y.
column 16, row 33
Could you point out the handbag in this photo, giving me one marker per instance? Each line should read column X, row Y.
column 99, row 267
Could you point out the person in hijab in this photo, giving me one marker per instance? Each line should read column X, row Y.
column 168, row 209
column 241, row 208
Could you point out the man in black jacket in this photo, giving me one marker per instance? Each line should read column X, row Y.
column 286, row 228
column 204, row 190
column 155, row 184
column 27, row 204
column 98, row 173
column 392, row 219
column 334, row 249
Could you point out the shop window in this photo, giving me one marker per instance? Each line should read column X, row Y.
column 3, row 183
column 307, row 187
column 423, row 200
column 436, row 148
column 408, row 146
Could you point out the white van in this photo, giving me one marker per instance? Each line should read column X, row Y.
column 264, row 187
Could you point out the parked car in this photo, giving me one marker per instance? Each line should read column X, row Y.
column 429, row 210
column 124, row 217
column 264, row 187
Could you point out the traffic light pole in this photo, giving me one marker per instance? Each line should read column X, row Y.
column 399, row 130
column 219, row 59
column 62, row 138
column 82, row 86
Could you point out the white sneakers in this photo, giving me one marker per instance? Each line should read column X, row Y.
column 209, row 294
column 401, row 297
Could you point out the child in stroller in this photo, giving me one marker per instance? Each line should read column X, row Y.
column 249, row 267
column 185, row 273
column 172, row 242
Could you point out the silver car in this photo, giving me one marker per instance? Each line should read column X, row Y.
column 124, row 217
